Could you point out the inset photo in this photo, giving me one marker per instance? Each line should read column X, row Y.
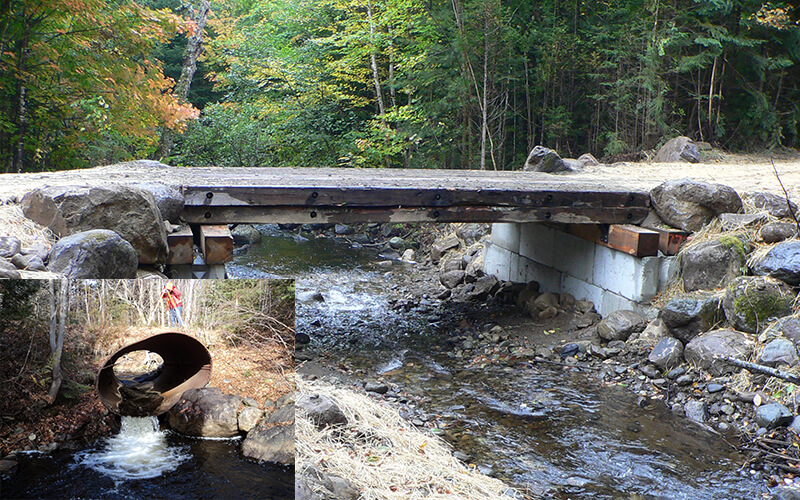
column 147, row 388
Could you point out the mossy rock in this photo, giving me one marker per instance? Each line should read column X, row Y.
column 753, row 301
column 711, row 264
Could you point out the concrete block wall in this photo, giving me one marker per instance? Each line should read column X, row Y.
column 564, row 263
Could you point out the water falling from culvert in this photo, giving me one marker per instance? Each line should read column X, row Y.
column 139, row 451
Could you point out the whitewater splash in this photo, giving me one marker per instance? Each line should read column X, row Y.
column 139, row 451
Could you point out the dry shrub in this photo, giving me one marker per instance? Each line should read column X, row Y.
column 384, row 456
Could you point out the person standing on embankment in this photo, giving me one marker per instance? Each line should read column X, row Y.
column 172, row 295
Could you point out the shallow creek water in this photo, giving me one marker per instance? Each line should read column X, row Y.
column 540, row 429
column 142, row 461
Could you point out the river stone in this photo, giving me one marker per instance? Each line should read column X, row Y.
column 678, row 149
column 28, row 262
column 270, row 444
column 302, row 491
column 782, row 492
column 245, row 234
column 96, row 254
column 8, row 270
column 397, row 242
column 542, row 159
column 774, row 204
column 205, row 412
column 711, row 264
column 689, row 204
column 667, row 354
column 9, row 246
column 443, row 245
column 704, row 350
column 453, row 264
column 775, row 232
column 376, row 387
column 409, row 255
column 773, row 415
column 687, row 316
column 650, row 336
column 170, row 201
column 248, row 417
column 619, row 325
column 696, row 410
column 475, row 267
column 129, row 211
column 321, row 410
column 753, row 301
column 452, row 279
column 779, row 351
column 781, row 262
column 714, row 388
column 733, row 222
column 343, row 229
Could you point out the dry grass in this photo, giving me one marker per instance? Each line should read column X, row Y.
column 384, row 456
column 14, row 223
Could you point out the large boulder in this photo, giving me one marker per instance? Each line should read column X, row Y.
column 170, row 201
column 619, row 325
column 706, row 349
column 270, row 443
column 775, row 205
column 753, row 301
column 206, row 412
column 687, row 316
column 678, row 149
column 542, row 159
column 129, row 211
column 781, row 262
column 245, row 234
column 96, row 254
column 713, row 263
column 689, row 204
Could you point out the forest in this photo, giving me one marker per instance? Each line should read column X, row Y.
column 466, row 84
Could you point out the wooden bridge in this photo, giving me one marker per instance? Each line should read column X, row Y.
column 288, row 195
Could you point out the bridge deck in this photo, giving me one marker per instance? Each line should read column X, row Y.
column 603, row 194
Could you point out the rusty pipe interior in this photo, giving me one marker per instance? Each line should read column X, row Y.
column 186, row 365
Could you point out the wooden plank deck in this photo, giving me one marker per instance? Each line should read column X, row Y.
column 309, row 195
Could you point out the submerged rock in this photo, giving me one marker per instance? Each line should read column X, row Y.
column 270, row 443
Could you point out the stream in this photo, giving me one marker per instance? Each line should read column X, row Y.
column 142, row 461
column 541, row 429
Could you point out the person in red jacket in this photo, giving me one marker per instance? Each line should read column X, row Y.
column 172, row 295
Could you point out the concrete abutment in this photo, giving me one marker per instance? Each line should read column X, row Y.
column 563, row 263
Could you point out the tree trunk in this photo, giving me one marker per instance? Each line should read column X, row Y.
column 194, row 48
column 374, row 63
column 57, row 335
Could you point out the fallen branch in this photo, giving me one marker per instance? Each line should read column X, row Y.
column 766, row 370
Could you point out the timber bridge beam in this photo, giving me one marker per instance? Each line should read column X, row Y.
column 300, row 195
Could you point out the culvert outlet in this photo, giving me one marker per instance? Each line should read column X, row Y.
column 186, row 365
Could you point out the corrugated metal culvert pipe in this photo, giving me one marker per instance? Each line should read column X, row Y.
column 186, row 365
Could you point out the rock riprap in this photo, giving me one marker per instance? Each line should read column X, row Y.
column 781, row 262
column 687, row 316
column 713, row 263
column 689, row 205
column 753, row 301
column 130, row 212
column 206, row 412
column 708, row 349
column 96, row 254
